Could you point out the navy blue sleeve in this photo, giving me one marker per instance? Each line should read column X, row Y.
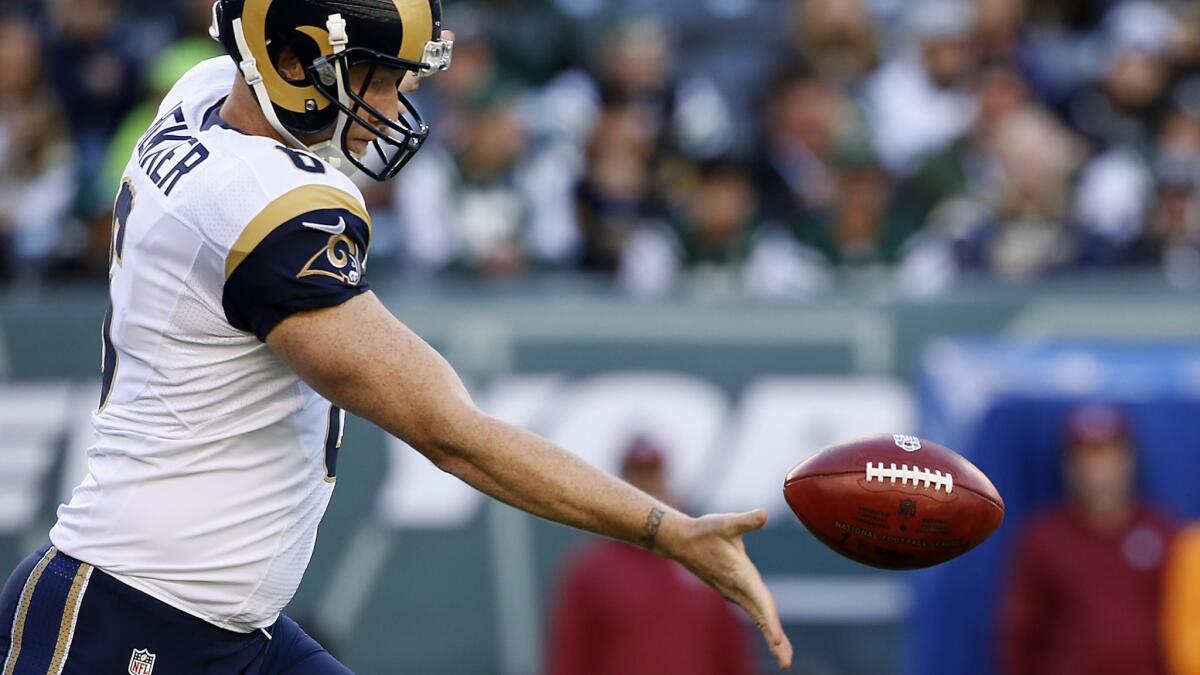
column 312, row 261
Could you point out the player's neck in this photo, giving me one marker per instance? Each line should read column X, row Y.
column 241, row 111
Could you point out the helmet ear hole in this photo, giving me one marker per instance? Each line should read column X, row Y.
column 291, row 66
column 305, row 48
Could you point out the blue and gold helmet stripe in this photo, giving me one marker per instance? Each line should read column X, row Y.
column 417, row 18
column 281, row 92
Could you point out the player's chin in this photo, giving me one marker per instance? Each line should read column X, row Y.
column 357, row 146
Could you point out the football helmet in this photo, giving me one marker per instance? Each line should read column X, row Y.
column 330, row 37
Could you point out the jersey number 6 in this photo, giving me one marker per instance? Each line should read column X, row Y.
column 108, row 354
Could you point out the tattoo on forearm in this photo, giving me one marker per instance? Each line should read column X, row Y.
column 650, row 532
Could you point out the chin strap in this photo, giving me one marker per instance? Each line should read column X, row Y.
column 333, row 150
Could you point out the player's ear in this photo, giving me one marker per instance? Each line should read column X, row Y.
column 410, row 83
column 290, row 66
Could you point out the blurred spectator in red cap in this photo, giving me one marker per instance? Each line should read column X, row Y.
column 1181, row 605
column 1084, row 597
column 621, row 610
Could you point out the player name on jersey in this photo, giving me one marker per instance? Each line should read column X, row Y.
column 168, row 151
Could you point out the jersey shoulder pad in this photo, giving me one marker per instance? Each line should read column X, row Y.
column 206, row 82
column 304, row 249
column 321, row 207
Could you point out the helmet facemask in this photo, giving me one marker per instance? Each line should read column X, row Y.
column 395, row 140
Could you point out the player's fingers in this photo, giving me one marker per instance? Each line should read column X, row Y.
column 741, row 523
column 769, row 623
column 747, row 588
column 783, row 653
column 757, row 601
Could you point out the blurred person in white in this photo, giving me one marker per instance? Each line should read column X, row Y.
column 37, row 161
column 716, row 227
column 483, row 198
column 634, row 62
column 920, row 100
column 1084, row 590
column 715, row 242
column 467, row 199
column 1014, row 222
column 1119, row 115
column 966, row 166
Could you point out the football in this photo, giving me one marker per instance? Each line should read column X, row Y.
column 894, row 501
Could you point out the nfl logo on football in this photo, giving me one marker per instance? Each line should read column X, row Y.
column 141, row 662
column 907, row 443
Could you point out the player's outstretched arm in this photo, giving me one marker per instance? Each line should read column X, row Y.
column 365, row 360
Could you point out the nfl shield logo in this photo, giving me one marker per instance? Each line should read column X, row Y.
column 908, row 508
column 141, row 662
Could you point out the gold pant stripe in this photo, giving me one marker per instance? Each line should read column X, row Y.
column 66, row 627
column 18, row 627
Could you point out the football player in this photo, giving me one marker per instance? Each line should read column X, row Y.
column 241, row 326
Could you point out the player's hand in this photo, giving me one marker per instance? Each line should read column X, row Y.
column 711, row 547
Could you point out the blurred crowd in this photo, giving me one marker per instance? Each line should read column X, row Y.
column 773, row 147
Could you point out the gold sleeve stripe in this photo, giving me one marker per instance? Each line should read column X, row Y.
column 290, row 205
column 418, row 27
column 66, row 626
column 18, row 627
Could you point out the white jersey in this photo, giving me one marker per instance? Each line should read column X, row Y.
column 213, row 463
